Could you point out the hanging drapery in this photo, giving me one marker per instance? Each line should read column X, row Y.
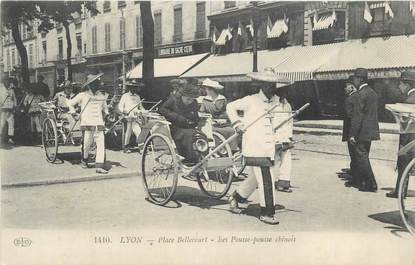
column 225, row 35
column 325, row 21
column 412, row 7
column 366, row 14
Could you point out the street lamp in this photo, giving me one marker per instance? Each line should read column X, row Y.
column 256, row 21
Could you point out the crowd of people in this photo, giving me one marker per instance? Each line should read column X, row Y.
column 265, row 145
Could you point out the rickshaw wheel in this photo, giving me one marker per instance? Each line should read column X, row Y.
column 50, row 139
column 159, row 169
column 219, row 181
column 406, row 197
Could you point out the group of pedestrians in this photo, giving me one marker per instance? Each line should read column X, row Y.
column 21, row 107
column 361, row 127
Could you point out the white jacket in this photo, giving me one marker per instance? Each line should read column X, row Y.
column 93, row 106
column 7, row 98
column 260, row 139
column 127, row 102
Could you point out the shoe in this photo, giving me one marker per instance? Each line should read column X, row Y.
column 101, row 171
column 284, row 189
column 84, row 164
column 271, row 220
column 234, row 206
column 127, row 150
column 11, row 141
column 392, row 194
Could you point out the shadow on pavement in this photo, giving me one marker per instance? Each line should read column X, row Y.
column 393, row 218
column 195, row 197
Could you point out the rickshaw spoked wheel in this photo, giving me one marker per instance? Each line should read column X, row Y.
column 159, row 169
column 406, row 197
column 219, row 181
column 50, row 139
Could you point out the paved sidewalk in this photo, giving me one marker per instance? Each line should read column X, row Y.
column 27, row 166
column 336, row 127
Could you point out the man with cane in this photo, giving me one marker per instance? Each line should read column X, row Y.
column 93, row 110
column 259, row 143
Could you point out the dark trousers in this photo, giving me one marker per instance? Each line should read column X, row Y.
column 364, row 169
column 183, row 139
column 403, row 160
column 352, row 154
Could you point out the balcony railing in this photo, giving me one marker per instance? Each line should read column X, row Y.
column 200, row 34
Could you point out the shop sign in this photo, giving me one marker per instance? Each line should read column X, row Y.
column 177, row 50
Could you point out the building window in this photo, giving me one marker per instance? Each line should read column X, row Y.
column 107, row 6
column 44, row 50
column 330, row 34
column 93, row 6
column 178, row 35
column 107, row 37
column 94, row 40
column 31, row 63
column 122, row 34
column 29, row 30
column 230, row 4
column 60, row 45
column 13, row 58
column 121, row 4
column 200, row 20
column 139, row 31
column 157, row 28
column 380, row 23
column 79, row 43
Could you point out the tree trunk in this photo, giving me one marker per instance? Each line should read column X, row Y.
column 22, row 51
column 68, row 50
column 148, row 44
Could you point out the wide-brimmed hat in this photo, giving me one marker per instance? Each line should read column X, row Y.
column 408, row 75
column 360, row 72
column 268, row 75
column 134, row 83
column 190, row 91
column 212, row 84
column 91, row 78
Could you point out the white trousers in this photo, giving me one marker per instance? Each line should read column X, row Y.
column 131, row 127
column 282, row 168
column 35, row 125
column 7, row 116
column 264, row 178
column 97, row 137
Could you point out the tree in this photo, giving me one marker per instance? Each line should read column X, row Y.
column 14, row 14
column 148, row 43
column 61, row 13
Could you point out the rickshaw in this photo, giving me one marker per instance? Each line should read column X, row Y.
column 404, row 115
column 161, row 164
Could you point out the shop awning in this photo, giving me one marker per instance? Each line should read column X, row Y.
column 169, row 67
column 305, row 61
column 235, row 66
column 382, row 57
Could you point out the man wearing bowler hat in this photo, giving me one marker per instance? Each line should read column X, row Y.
column 261, row 143
column 368, row 130
column 407, row 90
column 182, row 111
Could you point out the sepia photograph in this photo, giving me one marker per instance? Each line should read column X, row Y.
column 207, row 132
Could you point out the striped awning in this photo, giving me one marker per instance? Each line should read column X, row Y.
column 382, row 57
column 377, row 5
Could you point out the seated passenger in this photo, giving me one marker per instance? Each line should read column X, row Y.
column 182, row 112
column 130, row 105
column 61, row 100
column 213, row 103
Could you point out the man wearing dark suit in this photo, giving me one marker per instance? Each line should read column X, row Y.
column 405, row 94
column 368, row 130
column 350, row 127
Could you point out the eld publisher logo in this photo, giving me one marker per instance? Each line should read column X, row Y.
column 22, row 242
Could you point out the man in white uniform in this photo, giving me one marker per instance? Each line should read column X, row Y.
column 7, row 104
column 93, row 110
column 61, row 100
column 259, row 143
column 130, row 105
